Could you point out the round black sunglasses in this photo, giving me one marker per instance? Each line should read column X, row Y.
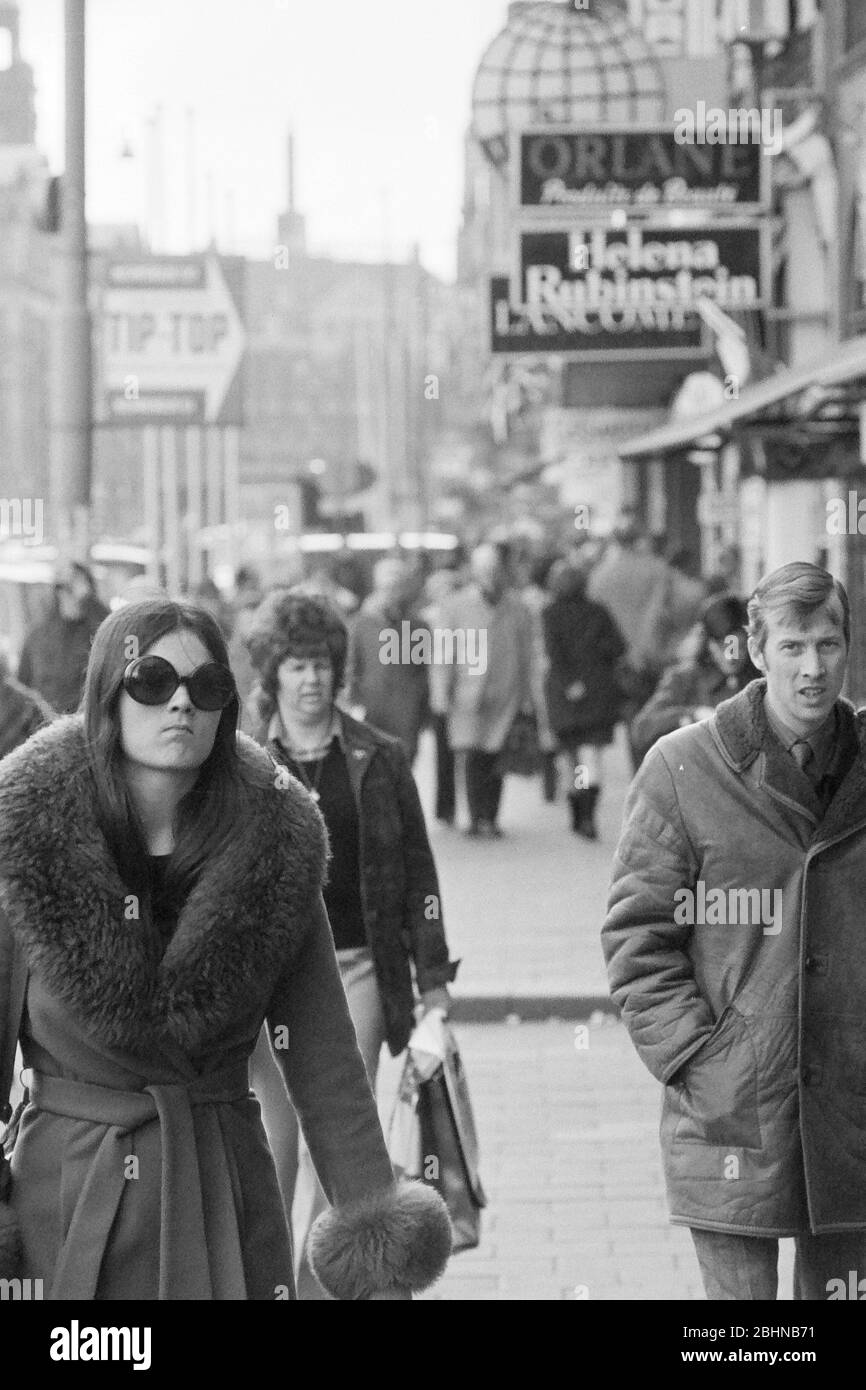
column 151, row 680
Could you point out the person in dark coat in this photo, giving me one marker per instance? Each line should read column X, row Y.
column 693, row 689
column 22, row 711
column 735, row 949
column 162, row 885
column 382, row 896
column 393, row 696
column 583, row 646
column 54, row 656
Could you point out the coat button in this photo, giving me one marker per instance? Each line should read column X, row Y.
column 816, row 964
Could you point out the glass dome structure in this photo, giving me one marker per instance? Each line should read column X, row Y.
column 561, row 63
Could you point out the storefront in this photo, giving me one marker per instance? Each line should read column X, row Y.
column 798, row 437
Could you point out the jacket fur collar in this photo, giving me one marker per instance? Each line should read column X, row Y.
column 65, row 900
column 741, row 731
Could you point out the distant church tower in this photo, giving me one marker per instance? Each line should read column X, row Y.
column 17, row 88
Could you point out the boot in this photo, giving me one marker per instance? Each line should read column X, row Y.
column 548, row 777
column 575, row 803
column 587, row 827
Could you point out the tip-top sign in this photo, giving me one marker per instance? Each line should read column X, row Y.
column 171, row 341
column 611, row 295
column 650, row 168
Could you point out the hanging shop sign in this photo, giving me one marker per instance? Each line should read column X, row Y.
column 608, row 295
column 596, row 170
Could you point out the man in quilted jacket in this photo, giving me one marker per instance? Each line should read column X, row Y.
column 735, row 949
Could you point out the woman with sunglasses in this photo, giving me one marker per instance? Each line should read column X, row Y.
column 160, row 881
column 382, row 894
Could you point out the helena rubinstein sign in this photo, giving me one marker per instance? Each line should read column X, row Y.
column 595, row 170
column 617, row 293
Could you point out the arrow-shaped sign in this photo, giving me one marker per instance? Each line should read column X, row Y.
column 172, row 340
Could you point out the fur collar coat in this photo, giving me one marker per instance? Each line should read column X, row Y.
column 152, row 1050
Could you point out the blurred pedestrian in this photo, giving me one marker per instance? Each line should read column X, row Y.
column 439, row 585
column 637, row 588
column 584, row 646
column 481, row 699
column 382, row 894
column 537, row 596
column 164, row 892
column 691, row 690
column 392, row 695
column 735, row 948
column 207, row 595
column 323, row 582
column 22, row 711
column 679, row 605
column 54, row 655
column 248, row 595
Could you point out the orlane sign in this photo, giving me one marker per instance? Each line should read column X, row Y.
column 607, row 294
column 594, row 170
column 171, row 340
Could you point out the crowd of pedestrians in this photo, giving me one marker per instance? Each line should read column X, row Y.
column 128, row 794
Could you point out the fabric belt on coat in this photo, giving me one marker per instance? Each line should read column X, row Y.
column 199, row 1242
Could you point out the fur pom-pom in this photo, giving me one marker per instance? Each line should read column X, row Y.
column 10, row 1243
column 399, row 1238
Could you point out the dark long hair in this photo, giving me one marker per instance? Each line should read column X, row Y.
column 208, row 814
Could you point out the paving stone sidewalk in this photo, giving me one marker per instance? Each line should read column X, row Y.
column 571, row 1167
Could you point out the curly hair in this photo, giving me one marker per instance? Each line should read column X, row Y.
column 289, row 623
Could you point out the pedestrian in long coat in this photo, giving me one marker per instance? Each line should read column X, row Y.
column 583, row 646
column 736, row 952
column 392, row 695
column 163, row 887
column 481, row 699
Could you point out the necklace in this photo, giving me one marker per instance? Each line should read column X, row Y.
column 312, row 787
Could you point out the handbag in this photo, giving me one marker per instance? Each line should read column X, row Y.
column 432, row 1136
column 521, row 753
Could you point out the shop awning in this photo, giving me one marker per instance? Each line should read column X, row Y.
column 826, row 390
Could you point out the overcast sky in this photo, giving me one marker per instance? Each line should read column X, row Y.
column 376, row 92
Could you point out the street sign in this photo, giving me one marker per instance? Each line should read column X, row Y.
column 170, row 341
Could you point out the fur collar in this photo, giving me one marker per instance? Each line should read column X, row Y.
column 742, row 733
column 64, row 898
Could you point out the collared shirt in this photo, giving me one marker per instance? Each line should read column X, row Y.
column 277, row 731
column 822, row 741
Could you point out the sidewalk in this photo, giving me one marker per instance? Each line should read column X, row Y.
column 524, row 913
column 571, row 1166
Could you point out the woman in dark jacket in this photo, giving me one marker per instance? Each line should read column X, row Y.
column 382, row 894
column 162, row 886
column 692, row 690
column 584, row 646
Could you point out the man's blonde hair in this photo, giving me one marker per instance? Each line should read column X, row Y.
column 799, row 589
